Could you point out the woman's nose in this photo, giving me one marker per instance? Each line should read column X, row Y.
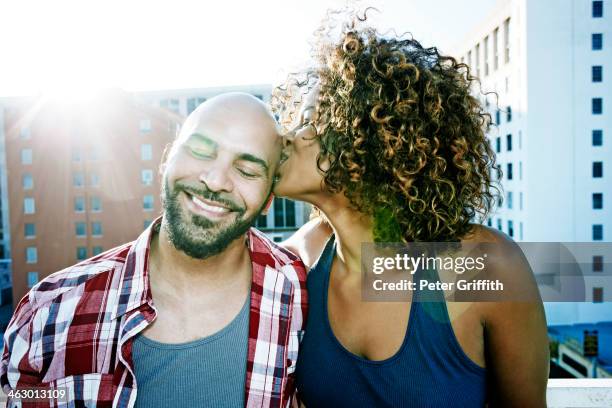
column 288, row 138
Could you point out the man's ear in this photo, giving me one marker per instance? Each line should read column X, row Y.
column 164, row 160
column 268, row 205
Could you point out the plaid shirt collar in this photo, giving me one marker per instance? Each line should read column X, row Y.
column 135, row 289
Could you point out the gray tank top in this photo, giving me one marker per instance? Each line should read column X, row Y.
column 208, row 372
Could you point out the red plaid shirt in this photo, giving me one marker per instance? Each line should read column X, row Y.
column 74, row 330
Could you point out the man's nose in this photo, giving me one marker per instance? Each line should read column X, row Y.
column 217, row 179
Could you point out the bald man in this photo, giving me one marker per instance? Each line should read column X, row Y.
column 200, row 311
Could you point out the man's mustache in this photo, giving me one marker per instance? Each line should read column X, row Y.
column 200, row 191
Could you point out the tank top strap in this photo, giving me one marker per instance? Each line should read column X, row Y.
column 431, row 301
column 322, row 265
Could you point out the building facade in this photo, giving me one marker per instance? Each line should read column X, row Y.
column 82, row 179
column 544, row 77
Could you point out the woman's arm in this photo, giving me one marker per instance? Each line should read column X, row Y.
column 309, row 241
column 516, row 339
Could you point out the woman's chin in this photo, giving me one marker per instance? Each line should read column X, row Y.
column 284, row 187
column 280, row 187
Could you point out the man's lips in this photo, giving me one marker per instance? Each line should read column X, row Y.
column 208, row 206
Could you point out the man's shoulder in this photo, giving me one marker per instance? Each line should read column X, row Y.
column 267, row 252
column 264, row 245
column 70, row 282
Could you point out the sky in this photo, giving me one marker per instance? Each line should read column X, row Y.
column 66, row 46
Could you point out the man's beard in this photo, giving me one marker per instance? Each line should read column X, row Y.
column 196, row 235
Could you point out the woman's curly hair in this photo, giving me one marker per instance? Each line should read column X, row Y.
column 404, row 137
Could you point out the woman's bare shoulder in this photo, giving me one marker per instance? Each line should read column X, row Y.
column 309, row 241
column 507, row 262
column 482, row 233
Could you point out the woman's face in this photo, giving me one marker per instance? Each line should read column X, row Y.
column 299, row 177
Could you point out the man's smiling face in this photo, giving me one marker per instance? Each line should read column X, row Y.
column 219, row 173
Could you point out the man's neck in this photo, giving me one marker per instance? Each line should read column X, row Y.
column 184, row 274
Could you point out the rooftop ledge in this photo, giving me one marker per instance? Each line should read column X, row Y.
column 580, row 392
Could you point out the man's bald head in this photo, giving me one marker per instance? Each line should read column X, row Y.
column 237, row 107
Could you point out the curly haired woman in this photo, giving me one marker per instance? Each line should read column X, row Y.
column 386, row 141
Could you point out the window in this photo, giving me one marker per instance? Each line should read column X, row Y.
column 597, row 295
column 147, row 177
column 95, row 180
column 497, row 117
column 521, row 200
column 509, row 142
column 597, row 106
column 598, row 9
column 32, row 279
column 31, row 255
column 284, row 212
column 477, row 60
column 598, row 263
column 29, row 206
column 26, row 156
column 597, row 232
column 499, row 224
column 509, row 114
column 25, row 133
column 79, row 204
column 97, row 250
column 96, row 229
column 520, row 230
column 498, row 144
column 96, row 204
column 80, row 229
column 520, row 140
column 147, row 202
column 146, row 223
column 597, row 169
column 193, row 103
column 597, row 137
column 511, row 228
column 507, row 40
column 509, row 199
column 520, row 170
column 29, row 230
column 495, row 49
column 597, row 41
column 509, row 167
column 597, row 201
column 597, row 73
column 489, row 222
column 78, row 180
column 262, row 221
column 94, row 154
column 486, row 55
column 469, row 58
column 76, row 155
column 145, row 125
column 146, row 152
column 28, row 181
column 171, row 104
column 81, row 253
column 258, row 96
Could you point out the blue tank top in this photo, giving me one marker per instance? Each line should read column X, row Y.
column 429, row 370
